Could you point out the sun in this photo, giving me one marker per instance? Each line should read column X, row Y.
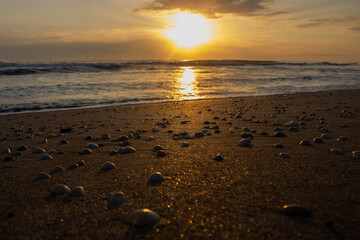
column 189, row 30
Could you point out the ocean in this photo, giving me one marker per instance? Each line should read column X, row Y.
column 29, row 87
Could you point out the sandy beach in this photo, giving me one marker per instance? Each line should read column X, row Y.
column 240, row 197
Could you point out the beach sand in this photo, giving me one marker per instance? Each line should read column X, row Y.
column 241, row 197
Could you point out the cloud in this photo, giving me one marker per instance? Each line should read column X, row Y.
column 317, row 22
column 213, row 8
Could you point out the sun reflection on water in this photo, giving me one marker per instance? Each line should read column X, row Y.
column 187, row 85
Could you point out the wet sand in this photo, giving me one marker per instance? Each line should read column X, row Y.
column 240, row 197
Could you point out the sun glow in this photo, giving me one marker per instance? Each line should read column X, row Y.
column 189, row 30
column 187, row 84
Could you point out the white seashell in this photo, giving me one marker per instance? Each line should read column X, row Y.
column 60, row 189
column 38, row 150
column 46, row 157
column 284, row 155
column 336, row 151
column 244, row 143
column 356, row 154
column 144, row 218
column 43, row 175
column 296, row 210
column 155, row 178
column 91, row 146
column 117, row 198
column 58, row 169
column 77, row 191
column 108, row 166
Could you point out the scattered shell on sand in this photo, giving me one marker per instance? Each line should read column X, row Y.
column 126, row 150
column 155, row 178
column 284, row 155
column 6, row 151
column 342, row 139
column 43, row 175
column 305, row 142
column 144, row 218
column 46, row 157
column 356, row 154
column 318, row 140
column 295, row 210
column 77, row 191
column 218, row 158
column 108, row 166
column 185, row 144
column 57, row 169
column 92, row 146
column 60, row 189
column 278, row 145
column 324, row 136
column 117, row 198
column 38, row 150
column 336, row 151
column 244, row 143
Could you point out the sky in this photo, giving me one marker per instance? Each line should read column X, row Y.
column 119, row 30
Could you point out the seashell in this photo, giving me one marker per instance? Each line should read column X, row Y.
column 155, row 178
column 318, row 140
column 336, row 151
column 38, row 150
column 185, row 144
column 117, row 198
column 218, row 158
column 86, row 151
column 46, row 157
column 244, row 143
column 356, row 154
column 92, row 146
column 324, row 136
column 284, row 155
column 295, row 210
column 157, row 148
column 43, row 175
column 148, row 139
column 342, row 139
column 77, row 191
column 60, row 189
column 57, row 169
column 305, row 142
column 108, row 166
column 144, row 218
column 278, row 145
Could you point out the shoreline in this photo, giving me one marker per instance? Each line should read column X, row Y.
column 240, row 197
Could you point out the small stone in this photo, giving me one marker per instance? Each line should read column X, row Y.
column 185, row 144
column 57, row 169
column 244, row 143
column 117, row 198
column 73, row 166
column 22, row 148
column 305, row 142
column 148, row 139
column 295, row 210
column 46, row 157
column 86, row 151
column 77, row 191
column 155, row 129
column 336, row 151
column 107, row 166
column 6, row 151
column 43, row 175
column 126, row 150
column 92, row 146
column 38, row 150
column 155, row 178
column 342, row 139
column 64, row 142
column 199, row 135
column 124, row 138
column 60, row 189
column 144, row 218
column 293, row 129
column 113, row 152
column 280, row 134
column 284, row 155
column 106, row 136
column 324, row 136
column 65, row 130
column 263, row 133
column 157, row 148
column 160, row 154
column 53, row 151
column 325, row 130
column 8, row 159
column 318, row 140
column 43, row 141
column 218, row 158
column 81, row 163
column 28, row 136
column 278, row 145
column 356, row 154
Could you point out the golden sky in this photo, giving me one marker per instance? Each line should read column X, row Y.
column 91, row 30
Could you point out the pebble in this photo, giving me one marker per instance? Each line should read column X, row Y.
column 108, row 166
column 57, row 169
column 60, row 189
column 86, row 151
column 8, row 159
column 160, row 154
column 295, row 210
column 356, row 154
column 280, row 134
column 278, row 145
column 305, row 142
column 106, row 136
column 324, row 136
column 244, row 143
column 218, row 158
column 63, row 142
column 185, row 144
column 6, row 151
column 318, row 140
column 199, row 135
column 148, row 139
column 342, row 139
column 155, row 129
column 81, row 163
column 52, row 151
column 43, row 141
column 43, row 175
column 46, row 157
column 117, row 198
column 155, row 178
column 325, row 130
column 38, row 150
column 144, row 218
column 113, row 152
column 92, row 146
column 126, row 150
column 77, row 191
column 22, row 148
column 124, row 138
column 284, row 155
column 157, row 148
column 336, row 151
column 73, row 166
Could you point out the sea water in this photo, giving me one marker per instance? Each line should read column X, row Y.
column 44, row 86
